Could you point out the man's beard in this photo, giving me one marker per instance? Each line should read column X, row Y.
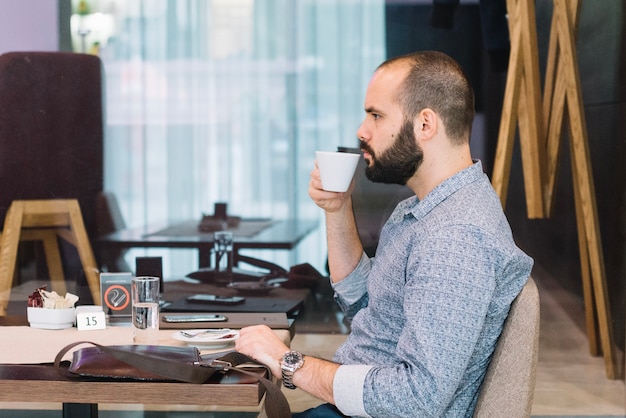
column 397, row 164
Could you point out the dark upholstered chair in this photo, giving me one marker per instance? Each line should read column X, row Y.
column 509, row 385
column 51, row 129
column 51, row 134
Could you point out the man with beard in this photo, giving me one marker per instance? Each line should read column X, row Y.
column 428, row 309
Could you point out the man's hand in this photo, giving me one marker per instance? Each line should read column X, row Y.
column 329, row 201
column 262, row 344
column 344, row 244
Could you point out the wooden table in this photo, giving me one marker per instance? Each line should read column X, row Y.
column 23, row 377
column 279, row 234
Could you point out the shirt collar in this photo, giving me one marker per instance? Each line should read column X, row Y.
column 419, row 208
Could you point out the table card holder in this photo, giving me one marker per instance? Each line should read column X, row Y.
column 90, row 317
column 115, row 291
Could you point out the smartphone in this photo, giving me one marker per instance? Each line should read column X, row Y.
column 221, row 300
column 195, row 318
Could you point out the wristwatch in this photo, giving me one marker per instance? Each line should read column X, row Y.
column 291, row 361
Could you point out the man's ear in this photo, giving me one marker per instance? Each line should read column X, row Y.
column 426, row 124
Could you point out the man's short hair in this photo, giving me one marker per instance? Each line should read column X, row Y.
column 436, row 81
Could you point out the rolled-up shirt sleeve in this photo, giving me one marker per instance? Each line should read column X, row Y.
column 348, row 389
column 352, row 289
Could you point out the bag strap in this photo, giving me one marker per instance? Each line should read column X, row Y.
column 276, row 405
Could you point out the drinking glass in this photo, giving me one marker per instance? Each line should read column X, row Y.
column 223, row 247
column 145, row 295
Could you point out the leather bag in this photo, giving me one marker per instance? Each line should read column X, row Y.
column 165, row 363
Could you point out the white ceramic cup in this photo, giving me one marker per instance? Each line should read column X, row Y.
column 336, row 169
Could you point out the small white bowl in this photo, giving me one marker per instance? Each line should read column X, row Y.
column 51, row 318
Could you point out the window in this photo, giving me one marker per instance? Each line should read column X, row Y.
column 227, row 101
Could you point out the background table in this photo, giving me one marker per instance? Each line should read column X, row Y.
column 279, row 234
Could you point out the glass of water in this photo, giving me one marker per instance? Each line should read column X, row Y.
column 223, row 248
column 145, row 295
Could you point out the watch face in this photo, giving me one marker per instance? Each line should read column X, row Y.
column 292, row 361
column 292, row 358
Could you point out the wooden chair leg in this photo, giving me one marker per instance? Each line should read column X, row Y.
column 8, row 252
column 50, row 242
column 85, row 252
column 46, row 221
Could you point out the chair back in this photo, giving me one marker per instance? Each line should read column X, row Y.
column 509, row 384
column 51, row 129
column 109, row 219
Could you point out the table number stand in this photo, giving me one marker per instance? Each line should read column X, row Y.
column 541, row 149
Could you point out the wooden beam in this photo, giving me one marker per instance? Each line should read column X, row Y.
column 522, row 104
column 541, row 148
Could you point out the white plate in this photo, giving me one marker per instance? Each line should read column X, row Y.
column 210, row 340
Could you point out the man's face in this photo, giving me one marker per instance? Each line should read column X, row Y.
column 387, row 137
column 399, row 162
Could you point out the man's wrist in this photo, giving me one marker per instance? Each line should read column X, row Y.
column 289, row 364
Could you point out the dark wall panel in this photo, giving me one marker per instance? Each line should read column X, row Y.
column 601, row 53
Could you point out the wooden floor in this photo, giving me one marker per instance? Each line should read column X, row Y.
column 570, row 382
